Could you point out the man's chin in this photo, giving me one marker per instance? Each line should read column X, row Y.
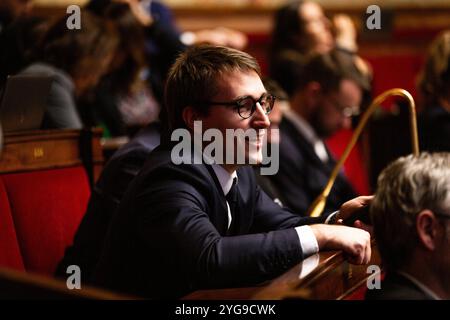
column 254, row 159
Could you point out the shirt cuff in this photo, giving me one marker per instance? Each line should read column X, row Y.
column 308, row 241
column 331, row 219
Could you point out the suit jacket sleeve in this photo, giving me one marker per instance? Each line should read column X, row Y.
column 270, row 216
column 291, row 184
column 61, row 110
column 209, row 259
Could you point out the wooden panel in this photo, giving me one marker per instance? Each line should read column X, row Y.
column 223, row 294
column 332, row 278
column 21, row 285
column 26, row 151
column 51, row 149
column 92, row 152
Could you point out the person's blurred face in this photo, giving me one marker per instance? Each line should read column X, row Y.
column 273, row 135
column 333, row 110
column 317, row 27
column 85, row 81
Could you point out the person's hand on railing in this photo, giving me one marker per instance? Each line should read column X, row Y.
column 355, row 213
column 354, row 242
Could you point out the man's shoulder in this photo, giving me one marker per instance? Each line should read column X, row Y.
column 291, row 141
column 163, row 169
column 396, row 287
column 144, row 142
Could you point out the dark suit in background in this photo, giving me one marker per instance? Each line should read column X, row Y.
column 434, row 129
column 267, row 185
column 303, row 175
column 397, row 287
column 105, row 198
column 168, row 236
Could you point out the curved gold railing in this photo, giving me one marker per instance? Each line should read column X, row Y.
column 318, row 205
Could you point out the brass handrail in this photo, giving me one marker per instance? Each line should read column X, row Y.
column 318, row 205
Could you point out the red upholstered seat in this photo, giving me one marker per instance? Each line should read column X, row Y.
column 47, row 207
column 9, row 247
column 358, row 294
column 355, row 168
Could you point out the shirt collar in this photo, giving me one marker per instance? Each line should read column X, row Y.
column 224, row 177
column 302, row 125
column 308, row 133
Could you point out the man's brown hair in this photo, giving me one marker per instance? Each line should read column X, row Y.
column 193, row 79
column 330, row 69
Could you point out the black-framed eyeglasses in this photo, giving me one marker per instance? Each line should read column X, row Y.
column 246, row 106
column 346, row 111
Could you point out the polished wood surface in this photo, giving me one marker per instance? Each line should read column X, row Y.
column 32, row 150
column 333, row 278
column 324, row 276
column 51, row 149
column 225, row 294
column 20, row 285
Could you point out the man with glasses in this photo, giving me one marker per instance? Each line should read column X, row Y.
column 411, row 221
column 190, row 226
column 328, row 92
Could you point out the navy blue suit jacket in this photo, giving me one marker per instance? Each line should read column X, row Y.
column 434, row 129
column 302, row 175
column 168, row 236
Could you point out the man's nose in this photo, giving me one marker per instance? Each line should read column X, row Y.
column 260, row 119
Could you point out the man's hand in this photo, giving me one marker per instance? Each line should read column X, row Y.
column 345, row 32
column 352, row 206
column 354, row 242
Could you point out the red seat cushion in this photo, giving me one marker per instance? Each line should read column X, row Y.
column 9, row 247
column 47, row 207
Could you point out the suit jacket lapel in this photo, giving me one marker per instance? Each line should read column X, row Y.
column 220, row 211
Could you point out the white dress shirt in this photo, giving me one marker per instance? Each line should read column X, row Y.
column 308, row 241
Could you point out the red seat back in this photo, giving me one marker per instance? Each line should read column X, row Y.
column 355, row 168
column 47, row 207
column 9, row 247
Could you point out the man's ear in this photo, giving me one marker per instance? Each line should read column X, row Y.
column 427, row 229
column 189, row 116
